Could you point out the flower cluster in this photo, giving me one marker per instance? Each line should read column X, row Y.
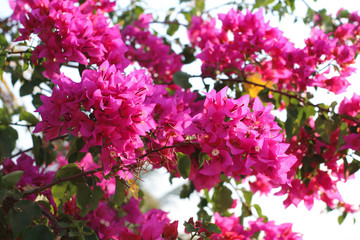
column 316, row 182
column 106, row 109
column 22, row 7
column 172, row 113
column 232, row 229
column 133, row 225
column 351, row 107
column 241, row 138
column 71, row 33
column 32, row 177
column 246, row 45
column 149, row 51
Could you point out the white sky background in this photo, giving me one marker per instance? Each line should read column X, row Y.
column 313, row 224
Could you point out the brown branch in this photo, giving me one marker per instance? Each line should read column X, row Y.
column 19, row 124
column 248, row 208
column 60, row 180
column 13, row 52
column 21, row 152
column 289, row 95
column 219, row 6
column 169, row 22
column 56, row 226
column 10, row 201
column 29, row 149
column 166, row 147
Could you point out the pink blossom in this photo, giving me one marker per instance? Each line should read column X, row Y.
column 106, row 109
column 149, row 51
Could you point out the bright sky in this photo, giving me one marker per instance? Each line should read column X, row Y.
column 313, row 224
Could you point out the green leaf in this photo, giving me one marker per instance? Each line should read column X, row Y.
column 245, row 211
column 182, row 79
column 173, row 27
column 297, row 116
column 90, row 234
column 67, row 171
column 188, row 53
column 37, row 149
column 97, row 195
column 189, row 227
column 5, row 117
column 83, row 197
column 22, row 215
column 88, row 199
column 325, row 126
column 342, row 217
column 36, row 101
column 262, row 3
column 211, row 227
column 38, row 232
column 8, row 137
column 187, row 15
column 354, row 166
column 64, row 191
column 2, row 64
column 3, row 42
column 187, row 189
column 81, row 69
column 29, row 117
column 258, row 209
column 309, row 163
column 291, row 4
column 26, row 89
column 202, row 157
column 222, row 199
column 11, row 179
column 343, row 131
column 346, row 167
column 248, row 196
column 43, row 154
column 343, row 14
column 119, row 192
column 224, row 178
column 264, row 96
column 199, row 7
column 183, row 164
column 75, row 146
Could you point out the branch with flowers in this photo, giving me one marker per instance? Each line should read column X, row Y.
column 129, row 108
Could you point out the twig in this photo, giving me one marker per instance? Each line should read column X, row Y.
column 53, row 220
column 29, row 149
column 307, row 5
column 13, row 52
column 21, row 152
column 166, row 147
column 60, row 180
column 169, row 22
column 241, row 199
column 18, row 124
column 300, row 99
column 289, row 95
column 219, row 6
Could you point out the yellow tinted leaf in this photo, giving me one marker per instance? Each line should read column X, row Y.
column 252, row 89
column 134, row 189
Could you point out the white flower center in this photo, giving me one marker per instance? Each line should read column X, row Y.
column 215, row 152
column 112, row 153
